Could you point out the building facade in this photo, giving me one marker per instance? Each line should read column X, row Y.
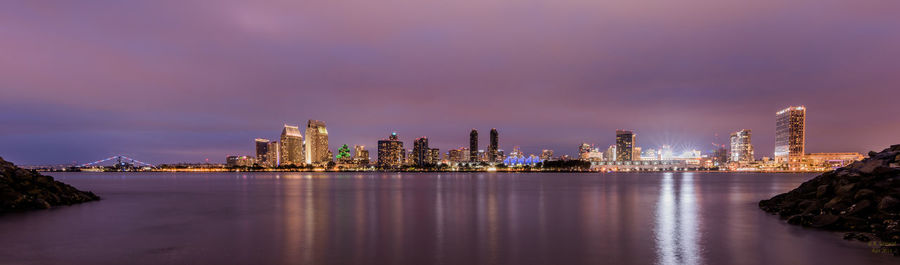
column 494, row 146
column 360, row 155
column 390, row 152
column 316, row 143
column 790, row 135
column 741, row 147
column 625, row 143
column 473, row 145
column 262, row 150
column 291, row 146
column 421, row 154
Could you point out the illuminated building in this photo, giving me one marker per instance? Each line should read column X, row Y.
column 721, row 156
column 636, row 154
column 316, row 142
column 421, row 154
column 390, row 152
column 454, row 155
column 625, row 142
column 546, row 154
column 650, row 154
column 666, row 153
column 343, row 156
column 494, row 145
column 741, row 148
column 262, row 150
column 273, row 155
column 790, row 135
column 584, row 151
column 434, row 156
column 611, row 153
column 239, row 161
column 291, row 146
column 473, row 145
column 827, row 161
column 360, row 155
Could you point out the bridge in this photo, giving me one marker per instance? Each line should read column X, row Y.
column 121, row 162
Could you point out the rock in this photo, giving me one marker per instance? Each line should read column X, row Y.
column 888, row 204
column 821, row 191
column 861, row 197
column 824, row 220
column 863, row 194
column 22, row 189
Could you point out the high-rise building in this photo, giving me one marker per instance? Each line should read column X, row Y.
column 625, row 143
column 262, row 150
column 494, row 146
column 636, row 154
column 390, row 152
column 316, row 142
column 790, row 135
column 741, row 148
column 274, row 154
column 434, row 156
column 360, row 155
column 291, row 146
column 473, row 145
column 421, row 154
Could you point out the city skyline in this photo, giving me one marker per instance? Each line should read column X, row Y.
column 89, row 83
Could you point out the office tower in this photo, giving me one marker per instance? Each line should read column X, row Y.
column 494, row 146
column 790, row 135
column 741, row 148
column 273, row 156
column 360, row 155
column 456, row 155
column 262, row 150
column 625, row 142
column 473, row 145
column 390, row 152
column 291, row 146
column 464, row 154
column 316, row 142
column 546, row 154
column 721, row 155
column 343, row 156
column 421, row 153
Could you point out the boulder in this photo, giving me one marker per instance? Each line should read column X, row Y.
column 862, row 197
column 22, row 190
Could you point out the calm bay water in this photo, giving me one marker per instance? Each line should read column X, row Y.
column 422, row 218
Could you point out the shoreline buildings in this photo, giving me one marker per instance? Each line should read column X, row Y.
column 473, row 145
column 625, row 143
column 741, row 147
column 390, row 152
column 291, row 146
column 317, row 143
column 790, row 136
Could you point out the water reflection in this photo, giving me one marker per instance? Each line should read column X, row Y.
column 676, row 226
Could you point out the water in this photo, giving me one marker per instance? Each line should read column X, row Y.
column 423, row 218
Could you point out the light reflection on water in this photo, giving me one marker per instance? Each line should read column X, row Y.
column 425, row 218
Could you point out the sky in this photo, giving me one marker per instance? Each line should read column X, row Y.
column 170, row 81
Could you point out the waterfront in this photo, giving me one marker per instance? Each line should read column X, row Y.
column 423, row 218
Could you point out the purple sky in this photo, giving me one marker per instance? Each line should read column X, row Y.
column 166, row 81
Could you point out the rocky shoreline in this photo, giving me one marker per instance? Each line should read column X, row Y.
column 22, row 190
column 862, row 199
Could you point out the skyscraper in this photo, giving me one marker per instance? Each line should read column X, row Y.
column 316, row 142
column 741, row 148
column 584, row 151
column 360, row 155
column 273, row 155
column 291, row 146
column 494, row 146
column 262, row 150
column 421, row 153
column 625, row 142
column 473, row 145
column 390, row 152
column 790, row 135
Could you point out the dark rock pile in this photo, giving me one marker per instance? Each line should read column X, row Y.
column 862, row 198
column 22, row 189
